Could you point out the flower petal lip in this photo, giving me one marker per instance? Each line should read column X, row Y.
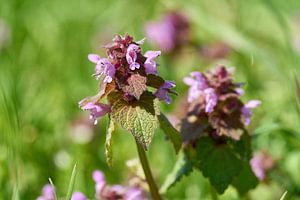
column 94, row 58
column 150, row 64
column 96, row 109
column 163, row 91
column 131, row 56
column 253, row 103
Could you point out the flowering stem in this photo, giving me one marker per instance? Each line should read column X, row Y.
column 149, row 178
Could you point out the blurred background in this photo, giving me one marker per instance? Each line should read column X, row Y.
column 44, row 72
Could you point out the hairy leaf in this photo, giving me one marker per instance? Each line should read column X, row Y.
column 108, row 142
column 246, row 180
column 183, row 167
column 136, row 85
column 218, row 162
column 170, row 131
column 139, row 117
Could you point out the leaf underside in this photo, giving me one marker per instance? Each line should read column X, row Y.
column 139, row 117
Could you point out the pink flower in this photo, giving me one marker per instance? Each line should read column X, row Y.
column 211, row 99
column 97, row 109
column 103, row 66
column 247, row 110
column 261, row 163
column 48, row 193
column 135, row 194
column 197, row 83
column 99, row 179
column 163, row 92
column 78, row 196
column 150, row 64
column 131, row 56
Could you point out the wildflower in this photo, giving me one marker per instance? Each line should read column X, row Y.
column 150, row 65
column 131, row 56
column 197, row 83
column 135, row 194
column 96, row 109
column 99, row 179
column 211, row 99
column 105, row 191
column 163, row 92
column 78, row 196
column 127, row 73
column 247, row 110
column 215, row 105
column 169, row 33
column 103, row 66
column 48, row 193
column 261, row 163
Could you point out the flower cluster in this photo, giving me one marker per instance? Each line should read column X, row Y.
column 128, row 71
column 169, row 33
column 105, row 191
column 214, row 104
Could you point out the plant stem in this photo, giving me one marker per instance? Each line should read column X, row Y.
column 149, row 178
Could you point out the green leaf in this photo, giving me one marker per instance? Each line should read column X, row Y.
column 108, row 142
column 218, row 162
column 170, row 131
column 183, row 167
column 138, row 117
column 246, row 180
column 136, row 85
column 243, row 146
column 72, row 182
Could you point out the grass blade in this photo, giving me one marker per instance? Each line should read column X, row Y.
column 53, row 187
column 72, row 182
column 283, row 196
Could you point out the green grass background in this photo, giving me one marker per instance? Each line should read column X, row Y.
column 44, row 72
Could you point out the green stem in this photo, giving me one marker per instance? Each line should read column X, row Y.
column 149, row 178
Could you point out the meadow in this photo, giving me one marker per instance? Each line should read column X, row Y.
column 45, row 72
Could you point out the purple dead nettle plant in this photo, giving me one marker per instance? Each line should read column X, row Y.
column 215, row 100
column 214, row 133
column 132, row 87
